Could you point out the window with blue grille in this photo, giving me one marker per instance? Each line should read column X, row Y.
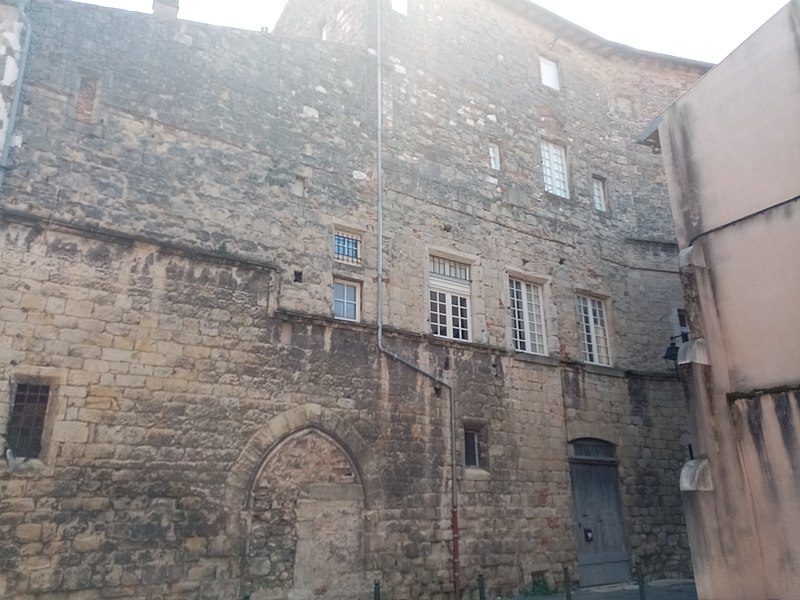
column 347, row 247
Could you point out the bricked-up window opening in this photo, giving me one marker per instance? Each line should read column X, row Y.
column 449, row 298
column 549, row 72
column 471, row 454
column 594, row 332
column 527, row 317
column 599, row 193
column 84, row 106
column 554, row 169
column 347, row 247
column 346, row 300
column 494, row 157
column 26, row 419
column 400, row 6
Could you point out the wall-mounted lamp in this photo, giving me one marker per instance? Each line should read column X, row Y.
column 671, row 353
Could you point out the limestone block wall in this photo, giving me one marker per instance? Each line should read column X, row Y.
column 167, row 268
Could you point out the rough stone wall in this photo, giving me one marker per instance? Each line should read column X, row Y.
column 182, row 352
column 345, row 21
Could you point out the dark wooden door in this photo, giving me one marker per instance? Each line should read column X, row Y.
column 602, row 549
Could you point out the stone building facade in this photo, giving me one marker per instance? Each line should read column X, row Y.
column 192, row 381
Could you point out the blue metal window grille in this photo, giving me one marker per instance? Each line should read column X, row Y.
column 347, row 247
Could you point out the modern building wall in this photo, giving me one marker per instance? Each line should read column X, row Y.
column 167, row 269
column 730, row 145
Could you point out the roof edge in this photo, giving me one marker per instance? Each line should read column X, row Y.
column 584, row 37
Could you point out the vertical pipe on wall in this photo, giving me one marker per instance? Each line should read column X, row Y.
column 17, row 99
column 379, row 296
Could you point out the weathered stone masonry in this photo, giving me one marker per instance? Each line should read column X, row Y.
column 166, row 268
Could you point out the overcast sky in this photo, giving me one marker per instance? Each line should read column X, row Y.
column 700, row 29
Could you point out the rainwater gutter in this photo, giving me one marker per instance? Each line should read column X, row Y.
column 16, row 101
column 437, row 381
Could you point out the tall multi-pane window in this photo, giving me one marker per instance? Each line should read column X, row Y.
column 26, row 419
column 346, row 300
column 549, row 72
column 594, row 330
column 347, row 247
column 449, row 298
column 599, row 193
column 554, row 169
column 527, row 317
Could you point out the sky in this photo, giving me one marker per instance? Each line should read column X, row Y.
column 705, row 30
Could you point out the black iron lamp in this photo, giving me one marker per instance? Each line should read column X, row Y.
column 671, row 353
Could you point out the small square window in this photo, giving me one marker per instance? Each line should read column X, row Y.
column 494, row 157
column 549, row 72
column 599, row 193
column 347, row 247
column 554, row 169
column 26, row 419
column 400, row 6
column 346, row 300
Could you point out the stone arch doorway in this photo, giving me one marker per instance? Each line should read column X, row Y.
column 600, row 532
column 305, row 535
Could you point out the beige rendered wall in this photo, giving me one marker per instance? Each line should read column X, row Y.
column 731, row 147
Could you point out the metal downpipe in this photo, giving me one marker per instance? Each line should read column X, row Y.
column 17, row 100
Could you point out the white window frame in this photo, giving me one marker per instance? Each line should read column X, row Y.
column 400, row 6
column 449, row 311
column 345, row 257
column 554, row 169
column 593, row 323
column 599, row 196
column 344, row 284
column 526, row 304
column 548, row 69
column 494, row 156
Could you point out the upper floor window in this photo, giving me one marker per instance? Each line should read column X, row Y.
column 449, row 298
column 594, row 330
column 400, row 6
column 347, row 247
column 549, row 72
column 26, row 419
column 599, row 193
column 346, row 300
column 554, row 169
column 527, row 317
column 494, row 156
